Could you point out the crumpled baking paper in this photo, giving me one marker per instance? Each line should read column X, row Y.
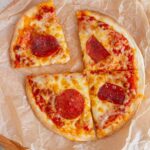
column 17, row 120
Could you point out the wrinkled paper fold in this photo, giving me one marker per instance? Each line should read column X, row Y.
column 17, row 120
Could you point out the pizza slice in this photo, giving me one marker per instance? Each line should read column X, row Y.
column 115, row 97
column 62, row 104
column 105, row 44
column 39, row 39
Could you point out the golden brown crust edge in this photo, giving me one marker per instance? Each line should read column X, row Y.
column 42, row 118
column 13, row 41
column 17, row 26
column 122, row 123
column 34, row 109
column 16, row 33
column 139, row 62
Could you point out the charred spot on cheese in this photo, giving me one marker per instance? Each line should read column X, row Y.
column 112, row 93
column 43, row 45
column 69, row 104
column 96, row 50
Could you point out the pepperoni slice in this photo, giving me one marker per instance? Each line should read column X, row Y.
column 44, row 45
column 96, row 50
column 69, row 104
column 112, row 93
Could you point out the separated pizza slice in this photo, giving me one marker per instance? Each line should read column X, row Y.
column 115, row 97
column 61, row 102
column 105, row 44
column 38, row 39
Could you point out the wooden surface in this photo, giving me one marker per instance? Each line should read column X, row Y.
column 9, row 144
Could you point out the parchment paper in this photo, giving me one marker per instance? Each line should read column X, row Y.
column 17, row 120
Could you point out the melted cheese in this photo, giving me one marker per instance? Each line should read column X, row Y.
column 47, row 24
column 102, row 110
column 89, row 27
column 57, row 83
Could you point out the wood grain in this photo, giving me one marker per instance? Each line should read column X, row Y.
column 9, row 144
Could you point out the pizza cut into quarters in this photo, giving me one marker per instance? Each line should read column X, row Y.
column 39, row 39
column 80, row 106
column 114, row 68
column 61, row 102
column 115, row 97
column 105, row 44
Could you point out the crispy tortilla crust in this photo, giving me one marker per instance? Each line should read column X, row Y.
column 118, row 123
